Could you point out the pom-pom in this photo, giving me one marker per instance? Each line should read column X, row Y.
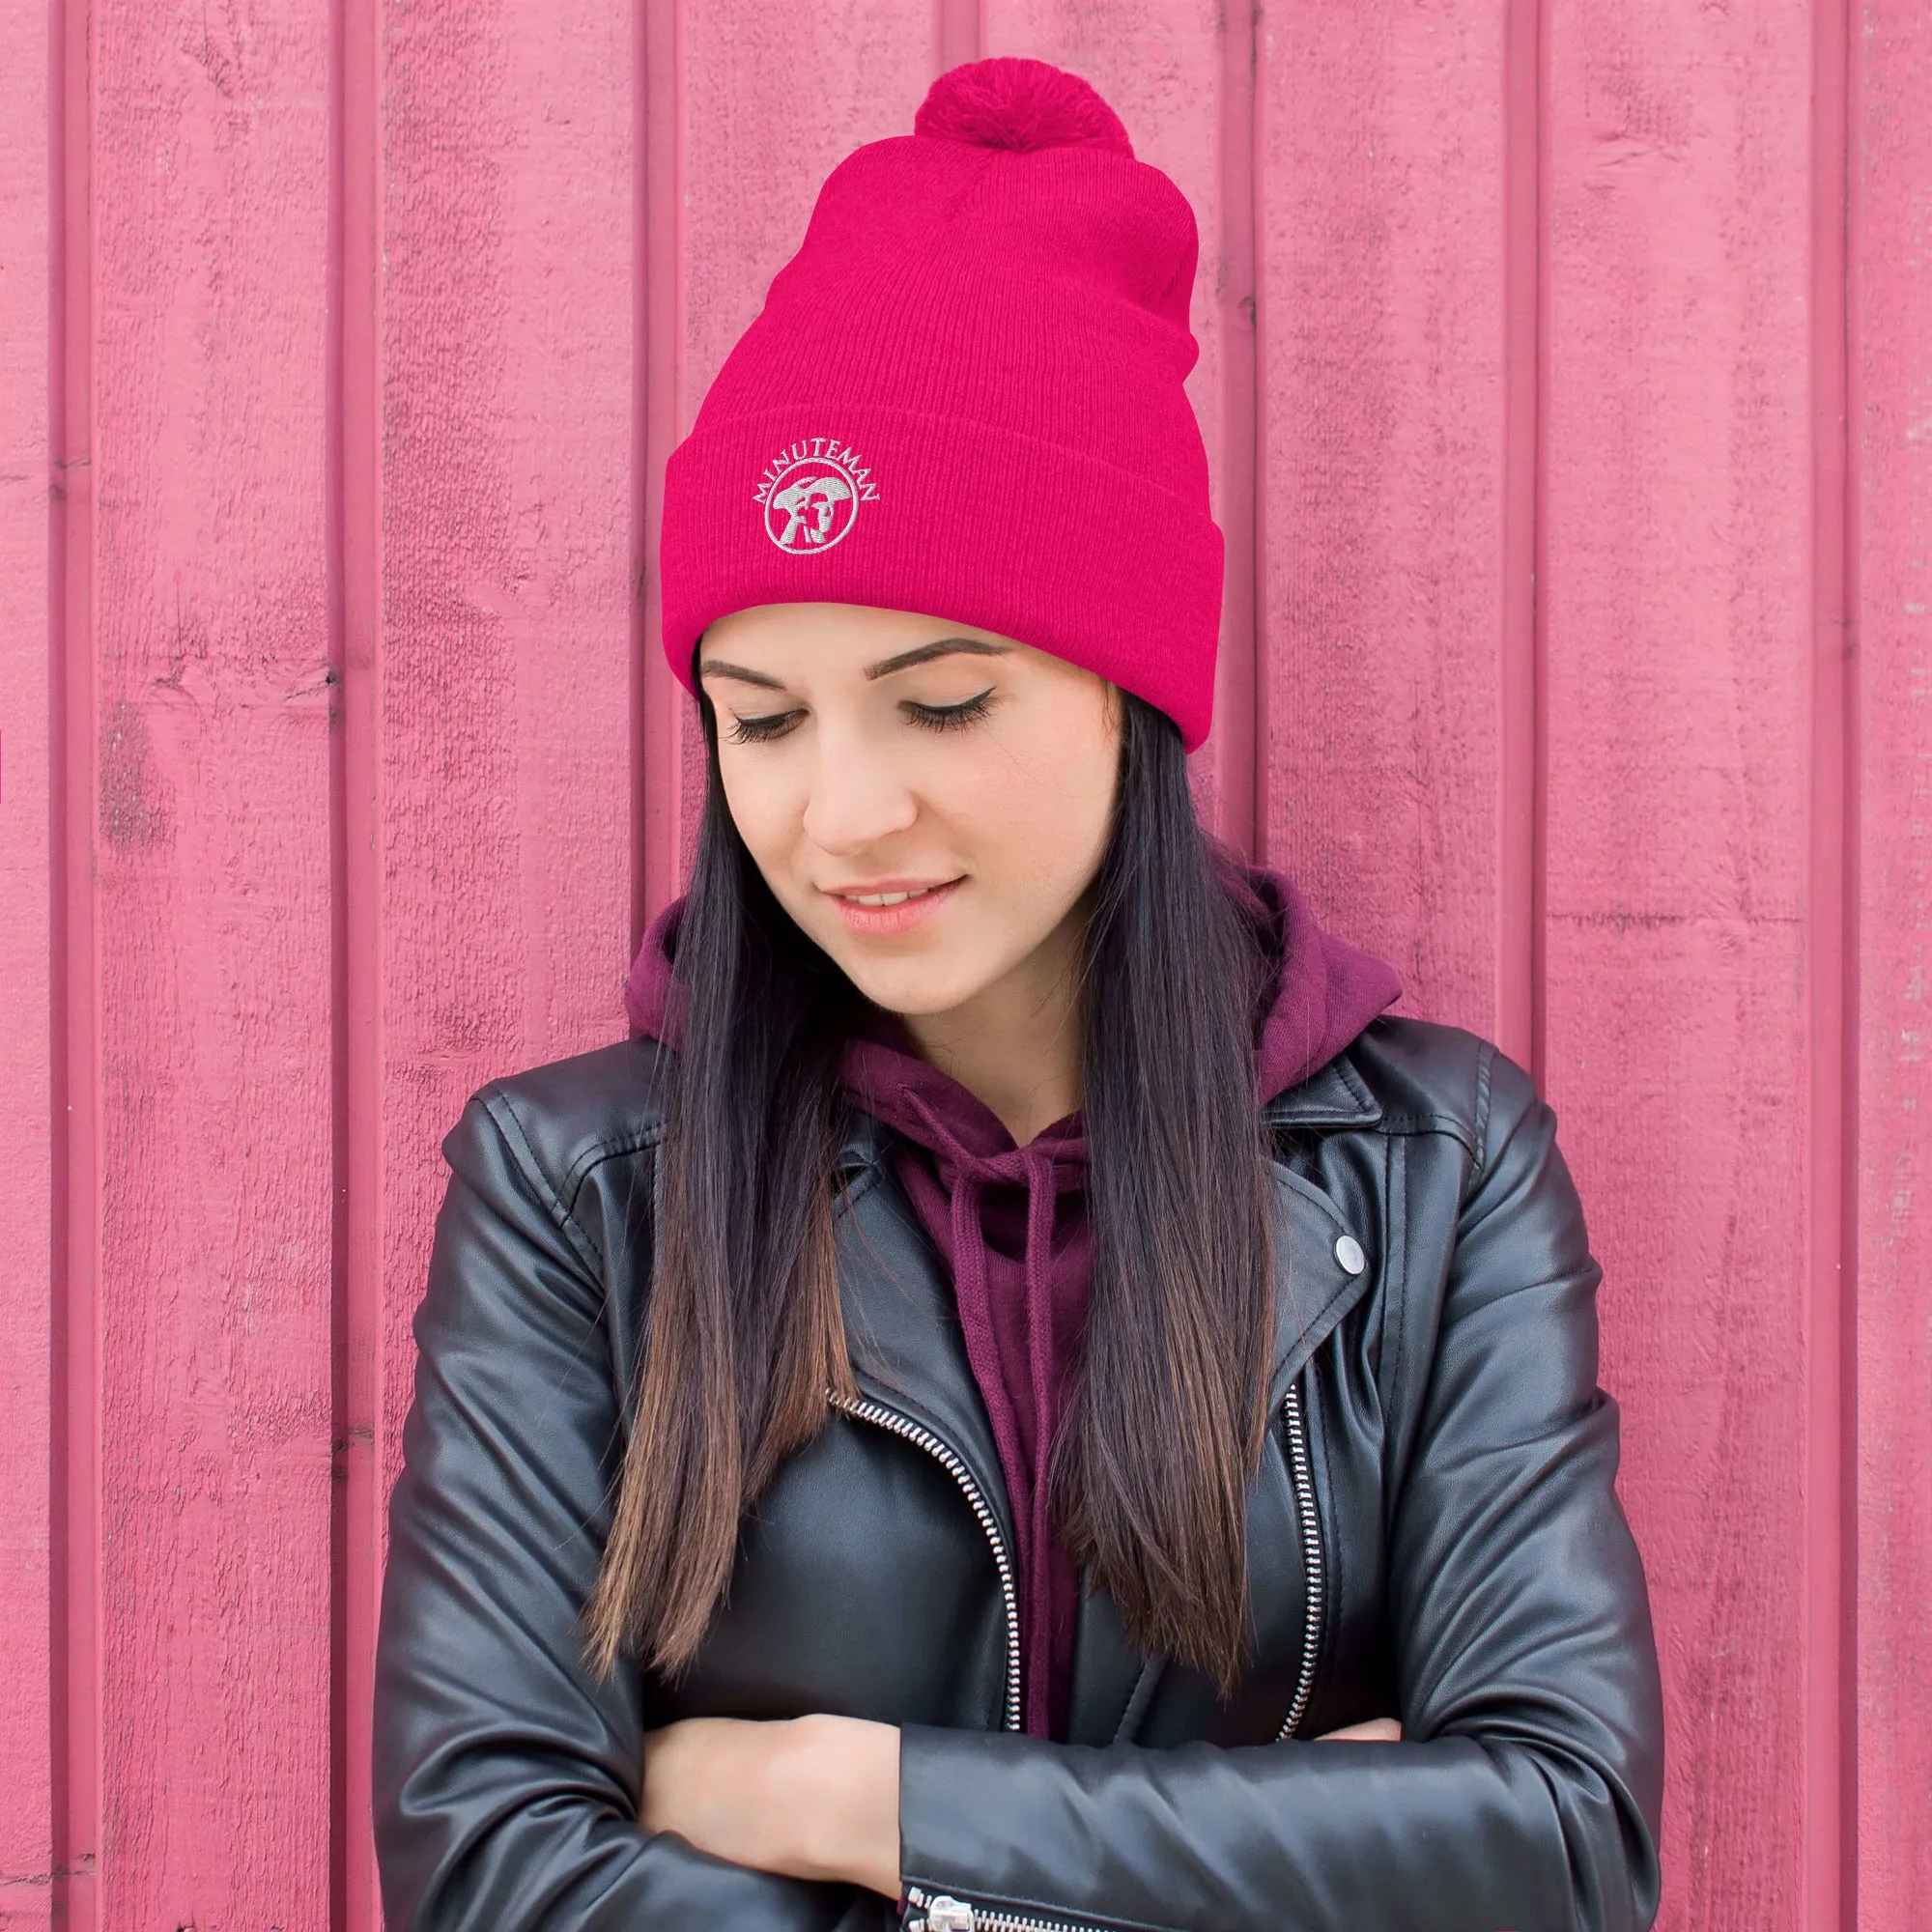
column 1021, row 104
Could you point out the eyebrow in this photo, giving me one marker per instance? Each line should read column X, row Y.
column 718, row 668
column 940, row 647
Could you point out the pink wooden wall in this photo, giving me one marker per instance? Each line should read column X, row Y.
column 1567, row 374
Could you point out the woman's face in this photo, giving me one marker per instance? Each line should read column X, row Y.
column 872, row 754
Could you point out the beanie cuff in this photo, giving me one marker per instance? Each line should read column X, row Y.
column 960, row 520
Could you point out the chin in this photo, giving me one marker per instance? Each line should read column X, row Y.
column 913, row 988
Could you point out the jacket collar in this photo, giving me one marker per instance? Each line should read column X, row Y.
column 1334, row 1096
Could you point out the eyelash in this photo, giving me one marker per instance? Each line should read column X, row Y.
column 756, row 730
column 929, row 717
column 951, row 716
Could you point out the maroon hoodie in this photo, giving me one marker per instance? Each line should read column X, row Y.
column 1011, row 1224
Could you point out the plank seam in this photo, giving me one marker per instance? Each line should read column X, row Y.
column 1839, row 663
column 1521, row 762
column 1261, row 803
column 355, row 634
column 1539, row 824
column 73, row 1462
column 1831, row 1597
column 1236, row 695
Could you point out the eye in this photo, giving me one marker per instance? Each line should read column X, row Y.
column 761, row 730
column 951, row 716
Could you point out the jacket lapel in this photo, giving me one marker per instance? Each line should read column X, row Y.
column 901, row 1321
column 1312, row 1289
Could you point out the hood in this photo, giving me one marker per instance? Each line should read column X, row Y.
column 1320, row 991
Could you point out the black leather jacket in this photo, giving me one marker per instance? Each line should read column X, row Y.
column 1433, row 1535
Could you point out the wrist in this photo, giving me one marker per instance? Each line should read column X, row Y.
column 841, row 1802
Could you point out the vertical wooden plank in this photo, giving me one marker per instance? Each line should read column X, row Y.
column 958, row 33
column 489, row 850
column 501, row 686
column 770, row 100
column 210, row 850
column 774, row 98
column 1678, row 653
column 357, row 1316
column 1168, row 68
column 663, row 734
column 1827, row 1688
column 27, row 176
column 1891, row 376
column 1381, row 198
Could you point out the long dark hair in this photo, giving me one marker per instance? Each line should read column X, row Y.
column 744, row 1338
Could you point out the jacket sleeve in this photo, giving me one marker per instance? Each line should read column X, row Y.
column 1525, row 1791
column 506, row 1775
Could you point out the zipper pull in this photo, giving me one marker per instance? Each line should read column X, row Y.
column 939, row 1915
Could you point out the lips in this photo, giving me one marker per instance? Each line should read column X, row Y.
column 888, row 899
column 892, row 906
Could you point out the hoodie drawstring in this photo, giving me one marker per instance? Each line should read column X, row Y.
column 1040, row 1204
column 1043, row 1176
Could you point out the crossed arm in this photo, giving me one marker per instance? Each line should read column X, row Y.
column 815, row 1798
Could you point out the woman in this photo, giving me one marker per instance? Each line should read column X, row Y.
column 1019, row 1348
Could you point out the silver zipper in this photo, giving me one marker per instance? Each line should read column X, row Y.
column 882, row 1417
column 942, row 1912
column 1311, row 1558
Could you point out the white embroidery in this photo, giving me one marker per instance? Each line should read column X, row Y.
column 811, row 491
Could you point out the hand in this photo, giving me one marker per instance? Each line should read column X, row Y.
column 815, row 1798
column 1373, row 1730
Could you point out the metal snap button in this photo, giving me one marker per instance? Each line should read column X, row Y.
column 1349, row 1252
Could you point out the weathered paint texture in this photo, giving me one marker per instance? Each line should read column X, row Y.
column 1565, row 374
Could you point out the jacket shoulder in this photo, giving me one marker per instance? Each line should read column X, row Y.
column 1426, row 1077
column 568, row 1116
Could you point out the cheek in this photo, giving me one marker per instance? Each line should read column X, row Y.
column 1043, row 807
column 765, row 810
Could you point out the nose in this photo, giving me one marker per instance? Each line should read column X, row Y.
column 858, row 797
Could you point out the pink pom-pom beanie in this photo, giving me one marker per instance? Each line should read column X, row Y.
column 964, row 397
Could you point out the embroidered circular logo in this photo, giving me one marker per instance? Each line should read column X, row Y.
column 811, row 492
